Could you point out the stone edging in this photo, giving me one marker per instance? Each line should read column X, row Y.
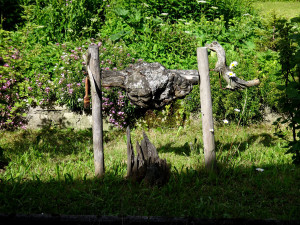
column 45, row 219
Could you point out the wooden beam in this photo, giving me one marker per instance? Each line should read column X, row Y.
column 206, row 109
column 93, row 67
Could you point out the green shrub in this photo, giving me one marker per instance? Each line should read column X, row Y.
column 58, row 21
column 14, row 86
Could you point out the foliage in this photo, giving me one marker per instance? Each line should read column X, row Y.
column 10, row 11
column 288, row 37
column 13, row 83
column 127, row 31
column 58, row 21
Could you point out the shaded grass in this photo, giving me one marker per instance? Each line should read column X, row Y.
column 285, row 9
column 51, row 171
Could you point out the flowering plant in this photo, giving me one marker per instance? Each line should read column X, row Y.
column 12, row 85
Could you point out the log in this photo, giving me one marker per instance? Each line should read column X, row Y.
column 151, row 85
column 146, row 166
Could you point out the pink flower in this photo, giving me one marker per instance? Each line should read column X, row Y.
column 29, row 88
column 6, row 65
column 70, row 91
column 47, row 89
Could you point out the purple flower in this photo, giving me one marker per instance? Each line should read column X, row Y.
column 47, row 89
column 29, row 88
column 70, row 91
column 99, row 43
column 128, row 55
column 69, row 85
column 78, row 84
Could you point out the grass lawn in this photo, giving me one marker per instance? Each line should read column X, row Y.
column 288, row 10
column 51, row 171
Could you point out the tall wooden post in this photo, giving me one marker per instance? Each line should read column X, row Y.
column 93, row 67
column 206, row 109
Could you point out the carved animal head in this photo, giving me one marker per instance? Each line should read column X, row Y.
column 214, row 46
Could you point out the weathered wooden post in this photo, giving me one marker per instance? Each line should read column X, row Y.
column 93, row 67
column 206, row 109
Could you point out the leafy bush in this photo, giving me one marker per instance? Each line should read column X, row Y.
column 58, row 21
column 287, row 35
column 154, row 31
column 13, row 84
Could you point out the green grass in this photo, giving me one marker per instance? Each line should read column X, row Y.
column 51, row 171
column 285, row 9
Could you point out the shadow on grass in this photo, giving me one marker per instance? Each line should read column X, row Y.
column 264, row 139
column 183, row 150
column 231, row 193
column 53, row 140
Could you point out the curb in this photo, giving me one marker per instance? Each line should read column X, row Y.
column 47, row 219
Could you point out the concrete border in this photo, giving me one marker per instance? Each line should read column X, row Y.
column 47, row 219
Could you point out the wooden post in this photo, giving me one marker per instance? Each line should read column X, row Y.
column 206, row 109
column 93, row 67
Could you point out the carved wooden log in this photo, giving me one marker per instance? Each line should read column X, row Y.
column 146, row 166
column 233, row 82
column 151, row 85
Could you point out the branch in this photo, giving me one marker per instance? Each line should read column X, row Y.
column 233, row 82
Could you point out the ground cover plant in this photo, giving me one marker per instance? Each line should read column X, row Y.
column 51, row 170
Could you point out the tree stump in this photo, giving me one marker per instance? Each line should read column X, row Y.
column 146, row 166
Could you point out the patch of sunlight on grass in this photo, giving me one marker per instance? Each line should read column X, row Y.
column 288, row 10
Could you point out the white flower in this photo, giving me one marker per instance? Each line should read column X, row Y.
column 259, row 169
column 93, row 20
column 165, row 14
column 188, row 32
column 233, row 64
column 80, row 100
column 231, row 74
column 225, row 121
column 214, row 7
column 201, row 1
column 237, row 110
